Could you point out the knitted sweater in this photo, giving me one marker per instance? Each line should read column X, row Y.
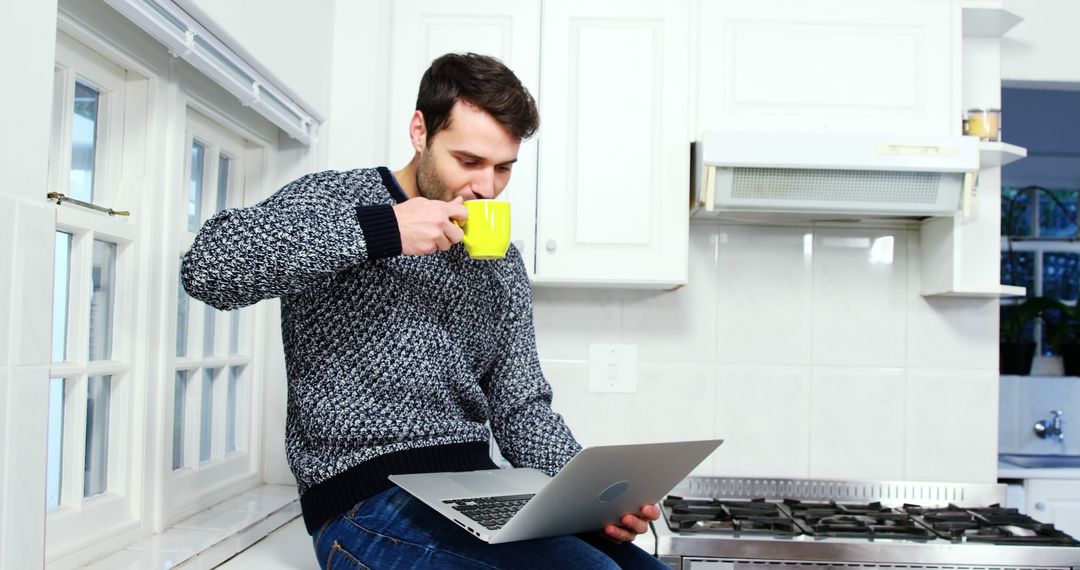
column 395, row 364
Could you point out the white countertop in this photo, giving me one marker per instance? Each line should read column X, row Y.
column 1010, row 471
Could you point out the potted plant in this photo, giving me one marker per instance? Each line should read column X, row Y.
column 1015, row 354
column 1063, row 333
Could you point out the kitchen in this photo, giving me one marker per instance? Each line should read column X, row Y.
column 811, row 348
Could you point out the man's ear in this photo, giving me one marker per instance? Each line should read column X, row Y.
column 418, row 131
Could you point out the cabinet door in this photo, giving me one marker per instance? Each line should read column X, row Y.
column 612, row 203
column 423, row 30
column 889, row 66
column 1055, row 501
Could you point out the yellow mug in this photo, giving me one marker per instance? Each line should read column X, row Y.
column 487, row 231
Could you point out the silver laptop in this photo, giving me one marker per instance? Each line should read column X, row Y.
column 596, row 488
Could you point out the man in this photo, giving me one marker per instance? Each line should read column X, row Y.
column 399, row 348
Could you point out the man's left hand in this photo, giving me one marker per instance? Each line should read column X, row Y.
column 632, row 525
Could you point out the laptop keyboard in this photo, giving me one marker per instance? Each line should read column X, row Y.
column 490, row 512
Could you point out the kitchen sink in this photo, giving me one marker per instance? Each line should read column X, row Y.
column 1040, row 460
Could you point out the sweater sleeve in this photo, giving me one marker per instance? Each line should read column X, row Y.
column 528, row 431
column 305, row 233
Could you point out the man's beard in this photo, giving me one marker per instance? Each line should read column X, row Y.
column 428, row 183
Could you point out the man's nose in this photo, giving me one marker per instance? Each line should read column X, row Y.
column 483, row 185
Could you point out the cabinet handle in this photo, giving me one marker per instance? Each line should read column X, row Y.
column 551, row 245
column 1040, row 507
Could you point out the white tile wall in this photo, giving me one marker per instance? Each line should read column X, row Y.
column 949, row 414
column 764, row 295
column 1009, row 414
column 794, row 344
column 1039, row 395
column 857, row 423
column 674, row 402
column 859, row 296
column 948, row 332
column 762, row 414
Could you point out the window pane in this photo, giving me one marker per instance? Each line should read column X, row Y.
column 223, row 182
column 208, row 330
column 1018, row 268
column 181, row 317
column 198, row 157
column 230, row 409
column 179, row 393
column 55, row 461
column 1061, row 275
column 207, row 418
column 83, row 143
column 234, row 331
column 96, row 472
column 1027, row 333
column 61, row 268
column 102, row 293
column 1057, row 213
column 1016, row 212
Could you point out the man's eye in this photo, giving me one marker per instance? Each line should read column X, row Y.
column 503, row 168
column 467, row 163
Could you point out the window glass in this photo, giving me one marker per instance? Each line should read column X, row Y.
column 55, row 461
column 208, row 330
column 1057, row 213
column 207, row 419
column 1018, row 268
column 1061, row 275
column 83, row 142
column 223, row 182
column 179, row 409
column 1016, row 212
column 96, row 471
column 61, row 269
column 102, row 293
column 181, row 317
column 234, row 331
column 230, row 409
column 195, row 186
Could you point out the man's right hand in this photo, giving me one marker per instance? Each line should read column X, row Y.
column 428, row 225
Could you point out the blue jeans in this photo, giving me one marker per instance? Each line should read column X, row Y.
column 393, row 530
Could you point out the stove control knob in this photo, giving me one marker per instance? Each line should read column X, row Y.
column 1040, row 506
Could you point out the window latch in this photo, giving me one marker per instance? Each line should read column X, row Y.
column 60, row 199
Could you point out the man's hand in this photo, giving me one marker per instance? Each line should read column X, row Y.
column 632, row 524
column 427, row 225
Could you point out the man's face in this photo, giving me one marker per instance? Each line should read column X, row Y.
column 471, row 157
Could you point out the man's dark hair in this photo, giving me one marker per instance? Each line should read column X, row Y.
column 481, row 81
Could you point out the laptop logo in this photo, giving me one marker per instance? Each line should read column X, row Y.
column 613, row 491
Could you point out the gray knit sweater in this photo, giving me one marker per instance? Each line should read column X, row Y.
column 395, row 364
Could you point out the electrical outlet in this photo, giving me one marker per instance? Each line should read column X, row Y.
column 613, row 368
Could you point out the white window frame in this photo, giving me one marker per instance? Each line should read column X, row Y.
column 198, row 485
column 78, row 522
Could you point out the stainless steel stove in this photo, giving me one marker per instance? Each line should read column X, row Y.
column 714, row 523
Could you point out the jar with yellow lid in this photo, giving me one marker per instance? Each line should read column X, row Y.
column 983, row 122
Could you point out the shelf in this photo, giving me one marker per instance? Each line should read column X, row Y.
column 995, row 154
column 980, row 293
column 988, row 22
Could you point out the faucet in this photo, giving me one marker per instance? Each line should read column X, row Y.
column 1050, row 427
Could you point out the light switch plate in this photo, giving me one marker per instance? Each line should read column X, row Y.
column 613, row 368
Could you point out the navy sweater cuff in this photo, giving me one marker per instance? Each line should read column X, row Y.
column 381, row 234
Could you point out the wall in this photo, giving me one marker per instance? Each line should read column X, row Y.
column 1043, row 46
column 27, row 42
column 808, row 348
column 291, row 41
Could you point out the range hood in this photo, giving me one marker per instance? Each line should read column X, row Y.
column 766, row 176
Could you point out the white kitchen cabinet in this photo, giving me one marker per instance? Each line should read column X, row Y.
column 605, row 202
column 1054, row 501
column 612, row 202
column 830, row 66
column 422, row 30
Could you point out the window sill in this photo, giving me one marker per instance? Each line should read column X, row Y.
column 211, row 537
